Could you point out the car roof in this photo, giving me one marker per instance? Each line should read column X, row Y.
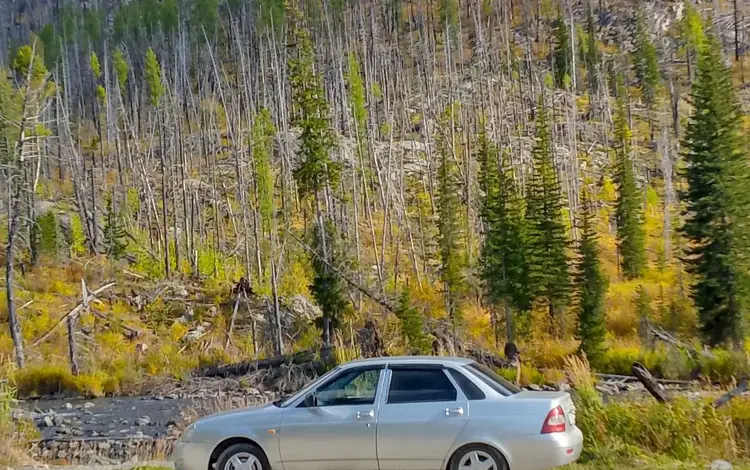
column 444, row 360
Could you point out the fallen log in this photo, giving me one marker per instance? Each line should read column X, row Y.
column 648, row 381
column 632, row 378
column 244, row 368
column 736, row 391
column 90, row 298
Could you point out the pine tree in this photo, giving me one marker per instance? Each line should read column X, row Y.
column 503, row 260
column 628, row 213
column 563, row 54
column 717, row 205
column 114, row 231
column 592, row 52
column 591, row 286
column 646, row 62
column 121, row 68
column 328, row 288
column 311, row 113
column 411, row 324
column 153, row 77
column 691, row 34
column 549, row 279
column 644, row 313
column 263, row 131
column 449, row 224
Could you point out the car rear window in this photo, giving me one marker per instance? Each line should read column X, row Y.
column 471, row 391
column 415, row 385
column 489, row 377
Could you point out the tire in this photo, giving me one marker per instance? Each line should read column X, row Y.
column 237, row 457
column 475, row 457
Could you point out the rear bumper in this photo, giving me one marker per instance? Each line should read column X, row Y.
column 547, row 450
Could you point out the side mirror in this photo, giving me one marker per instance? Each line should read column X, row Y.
column 310, row 401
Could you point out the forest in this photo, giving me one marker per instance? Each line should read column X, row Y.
column 190, row 183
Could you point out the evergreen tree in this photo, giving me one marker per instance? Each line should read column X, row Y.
column 691, row 34
column 503, row 261
column 717, row 206
column 48, row 233
column 328, row 288
column 563, row 53
column 170, row 16
column 311, row 113
column 52, row 46
column 412, row 325
column 644, row 313
column 591, row 286
column 263, row 132
column 121, row 68
column 153, row 77
column 449, row 224
column 592, row 52
column 549, row 279
column 628, row 214
column 114, row 231
column 646, row 62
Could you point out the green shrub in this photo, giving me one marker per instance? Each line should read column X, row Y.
column 39, row 381
column 683, row 429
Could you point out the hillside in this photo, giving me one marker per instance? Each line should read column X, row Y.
column 335, row 155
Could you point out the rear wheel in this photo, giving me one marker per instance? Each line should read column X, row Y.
column 477, row 457
column 242, row 457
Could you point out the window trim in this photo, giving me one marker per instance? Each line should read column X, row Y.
column 402, row 367
column 498, row 387
column 452, row 372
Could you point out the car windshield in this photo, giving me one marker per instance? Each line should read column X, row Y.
column 489, row 377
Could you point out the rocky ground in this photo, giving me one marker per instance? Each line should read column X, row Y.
column 113, row 430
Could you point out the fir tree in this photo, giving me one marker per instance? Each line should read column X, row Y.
column 503, row 261
column 48, row 233
column 411, row 324
column 328, row 288
column 717, row 206
column 591, row 286
column 549, row 279
column 311, row 113
column 592, row 52
column 121, row 68
column 563, row 53
column 646, row 62
column 449, row 224
column 644, row 313
column 114, row 232
column 628, row 214
column 153, row 77
column 263, row 132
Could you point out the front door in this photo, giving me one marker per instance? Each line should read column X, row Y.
column 420, row 419
column 336, row 430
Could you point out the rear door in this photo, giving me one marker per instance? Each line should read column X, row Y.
column 421, row 415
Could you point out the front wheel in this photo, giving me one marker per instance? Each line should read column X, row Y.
column 478, row 457
column 242, row 457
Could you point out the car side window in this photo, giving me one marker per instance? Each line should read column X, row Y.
column 469, row 388
column 418, row 385
column 355, row 387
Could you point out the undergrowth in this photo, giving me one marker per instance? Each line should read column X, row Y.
column 688, row 430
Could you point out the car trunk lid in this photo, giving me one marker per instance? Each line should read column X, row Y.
column 554, row 399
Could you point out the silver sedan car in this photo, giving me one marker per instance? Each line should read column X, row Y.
column 392, row 413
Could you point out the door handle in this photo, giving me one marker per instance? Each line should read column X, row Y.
column 454, row 411
column 363, row 415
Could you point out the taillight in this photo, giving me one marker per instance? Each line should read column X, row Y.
column 555, row 421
